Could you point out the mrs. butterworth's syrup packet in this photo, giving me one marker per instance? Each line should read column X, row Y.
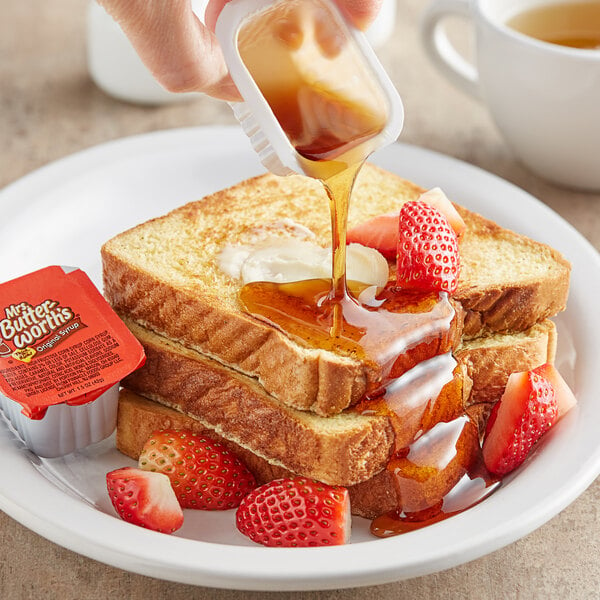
column 60, row 341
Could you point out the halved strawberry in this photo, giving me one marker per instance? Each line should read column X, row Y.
column 565, row 399
column 435, row 197
column 296, row 512
column 380, row 232
column 492, row 418
column 428, row 257
column 527, row 409
column 204, row 473
column 145, row 499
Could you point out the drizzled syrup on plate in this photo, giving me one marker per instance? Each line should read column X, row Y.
column 437, row 445
column 434, row 491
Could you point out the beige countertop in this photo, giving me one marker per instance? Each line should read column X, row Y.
column 50, row 108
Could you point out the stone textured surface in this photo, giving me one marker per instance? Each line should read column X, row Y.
column 50, row 108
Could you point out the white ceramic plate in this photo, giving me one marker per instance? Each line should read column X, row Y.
column 62, row 213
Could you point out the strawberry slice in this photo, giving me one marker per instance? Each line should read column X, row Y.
column 204, row 473
column 435, row 197
column 565, row 399
column 296, row 512
column 428, row 256
column 492, row 418
column 527, row 409
column 144, row 499
column 380, row 232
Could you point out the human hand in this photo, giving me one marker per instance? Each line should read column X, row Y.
column 182, row 53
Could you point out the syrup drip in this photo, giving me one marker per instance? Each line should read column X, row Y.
column 418, row 400
column 392, row 337
column 339, row 189
column 436, row 463
column 431, row 491
column 437, row 466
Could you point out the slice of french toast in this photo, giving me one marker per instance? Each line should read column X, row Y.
column 165, row 275
column 138, row 417
column 344, row 449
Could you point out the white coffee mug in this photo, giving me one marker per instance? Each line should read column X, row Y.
column 544, row 98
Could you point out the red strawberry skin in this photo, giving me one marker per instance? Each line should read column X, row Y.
column 381, row 232
column 204, row 473
column 144, row 499
column 527, row 409
column 435, row 197
column 428, row 257
column 295, row 512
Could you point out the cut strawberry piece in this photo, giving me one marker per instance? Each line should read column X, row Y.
column 565, row 399
column 204, row 473
column 379, row 232
column 492, row 418
column 428, row 256
column 296, row 512
column 435, row 197
column 144, row 499
column 527, row 409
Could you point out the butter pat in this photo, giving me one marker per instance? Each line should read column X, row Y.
column 285, row 260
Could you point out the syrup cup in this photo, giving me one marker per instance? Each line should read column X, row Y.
column 348, row 66
column 544, row 98
column 63, row 351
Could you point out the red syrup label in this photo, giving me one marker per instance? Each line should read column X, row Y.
column 60, row 341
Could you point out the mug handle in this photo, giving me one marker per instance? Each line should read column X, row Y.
column 439, row 49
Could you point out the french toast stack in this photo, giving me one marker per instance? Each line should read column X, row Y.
column 284, row 406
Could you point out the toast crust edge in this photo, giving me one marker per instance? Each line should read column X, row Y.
column 237, row 408
column 303, row 378
column 138, row 417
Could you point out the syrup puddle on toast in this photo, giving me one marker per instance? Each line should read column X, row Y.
column 437, row 442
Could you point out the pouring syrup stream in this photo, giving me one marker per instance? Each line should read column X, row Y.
column 334, row 134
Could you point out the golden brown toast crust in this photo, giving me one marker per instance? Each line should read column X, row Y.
column 491, row 359
column 497, row 304
column 138, row 417
column 341, row 450
column 303, row 378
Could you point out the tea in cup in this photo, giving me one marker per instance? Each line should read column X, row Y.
column 572, row 24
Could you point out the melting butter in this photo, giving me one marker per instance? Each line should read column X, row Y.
column 286, row 260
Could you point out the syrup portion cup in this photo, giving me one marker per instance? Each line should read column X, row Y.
column 305, row 73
